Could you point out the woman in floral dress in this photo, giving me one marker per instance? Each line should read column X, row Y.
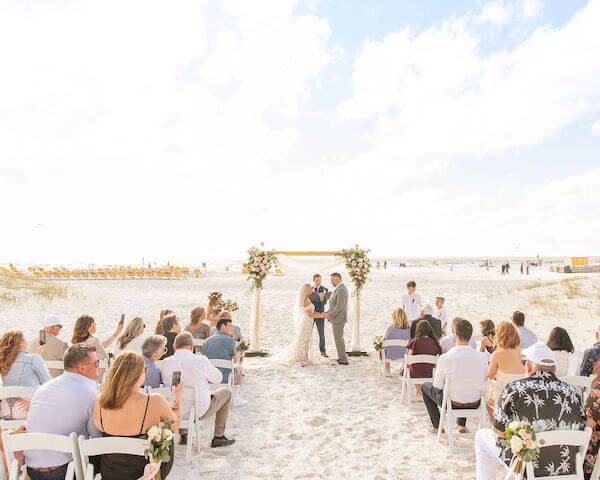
column 592, row 411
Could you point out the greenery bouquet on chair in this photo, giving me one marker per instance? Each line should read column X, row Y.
column 160, row 438
column 521, row 441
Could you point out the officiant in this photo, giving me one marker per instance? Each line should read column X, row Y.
column 319, row 299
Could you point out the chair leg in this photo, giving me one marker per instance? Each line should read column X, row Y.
column 403, row 390
column 450, row 431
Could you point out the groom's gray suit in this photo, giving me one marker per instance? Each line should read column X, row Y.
column 338, row 306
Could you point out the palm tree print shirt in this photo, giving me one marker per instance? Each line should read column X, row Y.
column 545, row 403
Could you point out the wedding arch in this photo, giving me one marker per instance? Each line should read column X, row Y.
column 260, row 261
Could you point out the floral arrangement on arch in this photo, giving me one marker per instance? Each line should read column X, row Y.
column 358, row 266
column 258, row 264
column 244, row 345
column 225, row 306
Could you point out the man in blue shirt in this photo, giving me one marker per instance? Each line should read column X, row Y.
column 221, row 346
column 153, row 348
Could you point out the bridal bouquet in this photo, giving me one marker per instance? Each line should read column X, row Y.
column 244, row 345
column 225, row 306
column 258, row 264
column 160, row 438
column 520, row 440
column 358, row 266
column 378, row 343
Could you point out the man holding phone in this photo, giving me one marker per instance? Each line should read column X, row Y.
column 47, row 344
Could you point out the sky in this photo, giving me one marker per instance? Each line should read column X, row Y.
column 192, row 130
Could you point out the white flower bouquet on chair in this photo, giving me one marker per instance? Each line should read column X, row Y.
column 160, row 438
column 520, row 439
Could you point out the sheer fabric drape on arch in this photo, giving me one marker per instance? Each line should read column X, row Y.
column 308, row 264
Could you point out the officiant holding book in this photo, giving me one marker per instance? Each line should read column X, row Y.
column 319, row 298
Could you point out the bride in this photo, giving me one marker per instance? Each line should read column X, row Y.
column 299, row 351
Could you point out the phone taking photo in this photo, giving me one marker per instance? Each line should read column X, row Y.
column 122, row 321
column 176, row 378
column 42, row 337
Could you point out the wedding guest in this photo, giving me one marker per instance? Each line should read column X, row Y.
column 318, row 299
column 197, row 327
column 221, row 346
column 447, row 343
column 560, row 343
column 398, row 330
column 197, row 371
column 591, row 355
column 565, row 411
column 412, row 302
column 48, row 413
column 123, row 410
column 440, row 313
column 213, row 318
column 153, row 348
column 237, row 331
column 427, row 314
column 592, row 411
column 170, row 325
column 488, row 330
column 462, row 363
column 131, row 340
column 213, row 299
column 54, row 348
column 528, row 338
column 158, row 329
column 424, row 343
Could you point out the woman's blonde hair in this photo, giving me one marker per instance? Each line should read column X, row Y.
column 400, row 319
column 507, row 336
column 123, row 375
column 81, row 330
column 10, row 346
column 132, row 330
column 196, row 314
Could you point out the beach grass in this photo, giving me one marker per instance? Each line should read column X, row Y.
column 14, row 288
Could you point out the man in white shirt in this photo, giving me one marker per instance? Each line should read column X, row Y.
column 447, row 342
column 412, row 302
column 63, row 405
column 440, row 312
column 197, row 371
column 528, row 338
column 54, row 348
column 460, row 363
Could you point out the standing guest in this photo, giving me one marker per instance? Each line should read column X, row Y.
column 462, row 363
column 54, row 348
column 560, row 343
column 591, row 355
column 170, row 325
column 412, row 302
column 424, row 343
column 440, row 313
column 63, row 405
column 213, row 299
column 427, row 314
column 237, row 331
column 488, row 330
column 131, row 340
column 565, row 411
column 197, row 327
column 398, row 330
column 318, row 299
column 447, row 343
column 221, row 346
column 528, row 338
column 197, row 371
column 122, row 410
column 158, row 329
column 153, row 348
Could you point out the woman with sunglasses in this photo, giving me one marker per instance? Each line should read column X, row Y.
column 131, row 340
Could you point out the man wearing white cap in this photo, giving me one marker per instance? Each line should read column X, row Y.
column 544, row 402
column 54, row 348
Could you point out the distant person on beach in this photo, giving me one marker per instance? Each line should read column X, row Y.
column 385, row 264
column 521, row 268
column 440, row 313
column 54, row 348
column 528, row 338
column 412, row 302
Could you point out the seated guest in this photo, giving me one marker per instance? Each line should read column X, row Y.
column 237, row 331
column 528, row 338
column 591, row 355
column 61, row 406
column 560, row 343
column 197, row 371
column 592, row 411
column 196, row 327
column 170, row 325
column 123, row 410
column 460, row 363
column 53, row 349
column 131, row 340
column 488, row 330
column 221, row 345
column 158, row 330
column 152, row 349
column 565, row 412
column 448, row 341
column 434, row 323
column 424, row 343
column 398, row 330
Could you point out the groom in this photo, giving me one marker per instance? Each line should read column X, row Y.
column 319, row 302
column 338, row 304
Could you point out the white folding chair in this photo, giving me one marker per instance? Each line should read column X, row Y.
column 190, row 395
column 26, row 393
column 500, row 384
column 107, row 445
column 54, row 365
column 387, row 361
column 450, row 414
column 572, row 438
column 407, row 381
column 583, row 384
column 41, row 441
column 228, row 365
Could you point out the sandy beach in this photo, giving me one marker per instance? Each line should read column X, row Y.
column 324, row 420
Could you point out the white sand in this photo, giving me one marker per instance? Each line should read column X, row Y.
column 326, row 421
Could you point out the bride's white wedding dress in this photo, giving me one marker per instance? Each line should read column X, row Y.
column 299, row 349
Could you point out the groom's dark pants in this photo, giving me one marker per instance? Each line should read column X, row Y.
column 320, row 323
column 433, row 398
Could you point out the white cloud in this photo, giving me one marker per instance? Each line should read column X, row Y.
column 596, row 128
column 501, row 12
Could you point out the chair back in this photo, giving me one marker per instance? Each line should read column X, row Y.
column 583, row 384
column 395, row 343
column 54, row 364
column 412, row 359
column 107, row 445
column 25, row 393
column 500, row 384
column 219, row 363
